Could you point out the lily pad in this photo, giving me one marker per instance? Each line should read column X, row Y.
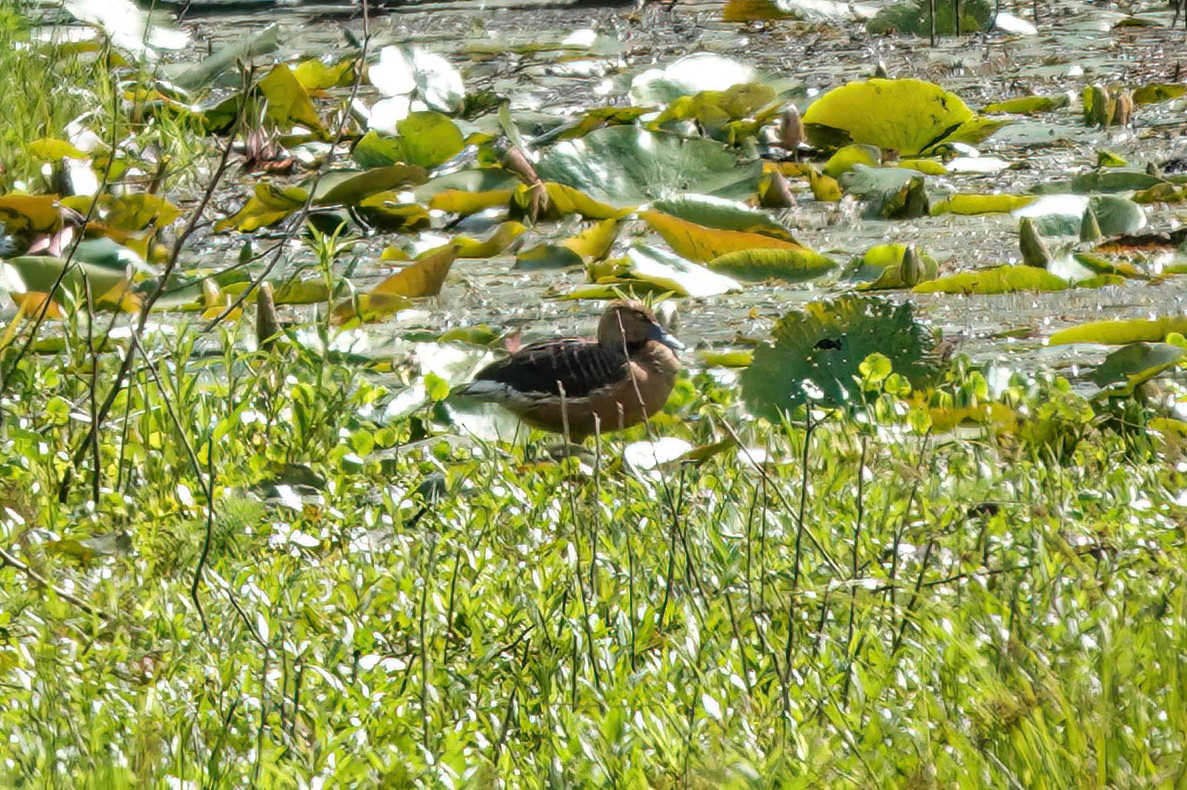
column 700, row 243
column 659, row 270
column 1120, row 332
column 908, row 115
column 817, row 352
column 427, row 139
column 790, row 265
column 1134, row 364
column 626, row 166
column 685, row 76
column 998, row 280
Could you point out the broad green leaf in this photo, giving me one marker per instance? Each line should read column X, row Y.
column 791, row 264
column 907, row 115
column 49, row 149
column 495, row 244
column 699, row 243
column 888, row 267
column 714, row 212
column 287, row 100
column 702, row 71
column 268, row 205
column 818, row 351
column 427, row 139
column 1156, row 92
column 626, row 166
column 1134, row 364
column 847, row 156
column 456, row 201
column 661, row 271
column 968, row 204
column 387, row 211
column 316, row 75
column 1027, row 105
column 349, row 187
column 191, row 76
column 1114, row 333
column 998, row 280
column 32, row 214
column 889, row 192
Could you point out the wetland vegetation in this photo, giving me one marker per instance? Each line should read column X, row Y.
column 912, row 516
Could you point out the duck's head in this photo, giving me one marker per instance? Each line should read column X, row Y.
column 632, row 325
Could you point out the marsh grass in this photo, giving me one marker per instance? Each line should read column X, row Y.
column 250, row 578
column 870, row 606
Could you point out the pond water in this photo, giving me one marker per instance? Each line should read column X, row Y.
column 510, row 48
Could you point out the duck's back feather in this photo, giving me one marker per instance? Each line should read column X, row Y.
column 578, row 366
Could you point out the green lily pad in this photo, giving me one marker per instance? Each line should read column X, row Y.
column 1134, row 364
column 1111, row 333
column 688, row 75
column 714, row 212
column 791, row 265
column 819, row 351
column 1028, row 105
column 908, row 116
column 998, row 280
column 626, row 166
column 427, row 139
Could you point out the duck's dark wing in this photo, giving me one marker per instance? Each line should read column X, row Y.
column 579, row 366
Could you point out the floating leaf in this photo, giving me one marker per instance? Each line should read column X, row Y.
column 191, row 76
column 268, row 205
column 699, row 243
column 495, row 244
column 547, row 256
column 625, row 166
column 422, row 278
column 1028, row 105
column 661, row 271
column 287, row 100
column 702, row 71
column 892, row 266
column 908, row 116
column 715, row 212
column 824, row 188
column 1134, row 364
column 1113, row 180
column 347, row 187
column 387, row 211
column 716, row 112
column 1114, row 333
column 966, row 204
column 847, row 156
column 791, row 265
column 890, row 192
column 1098, row 265
column 427, row 139
column 820, row 349
column 999, row 280
column 316, row 75
column 1155, row 93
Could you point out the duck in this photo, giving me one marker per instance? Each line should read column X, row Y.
column 578, row 387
